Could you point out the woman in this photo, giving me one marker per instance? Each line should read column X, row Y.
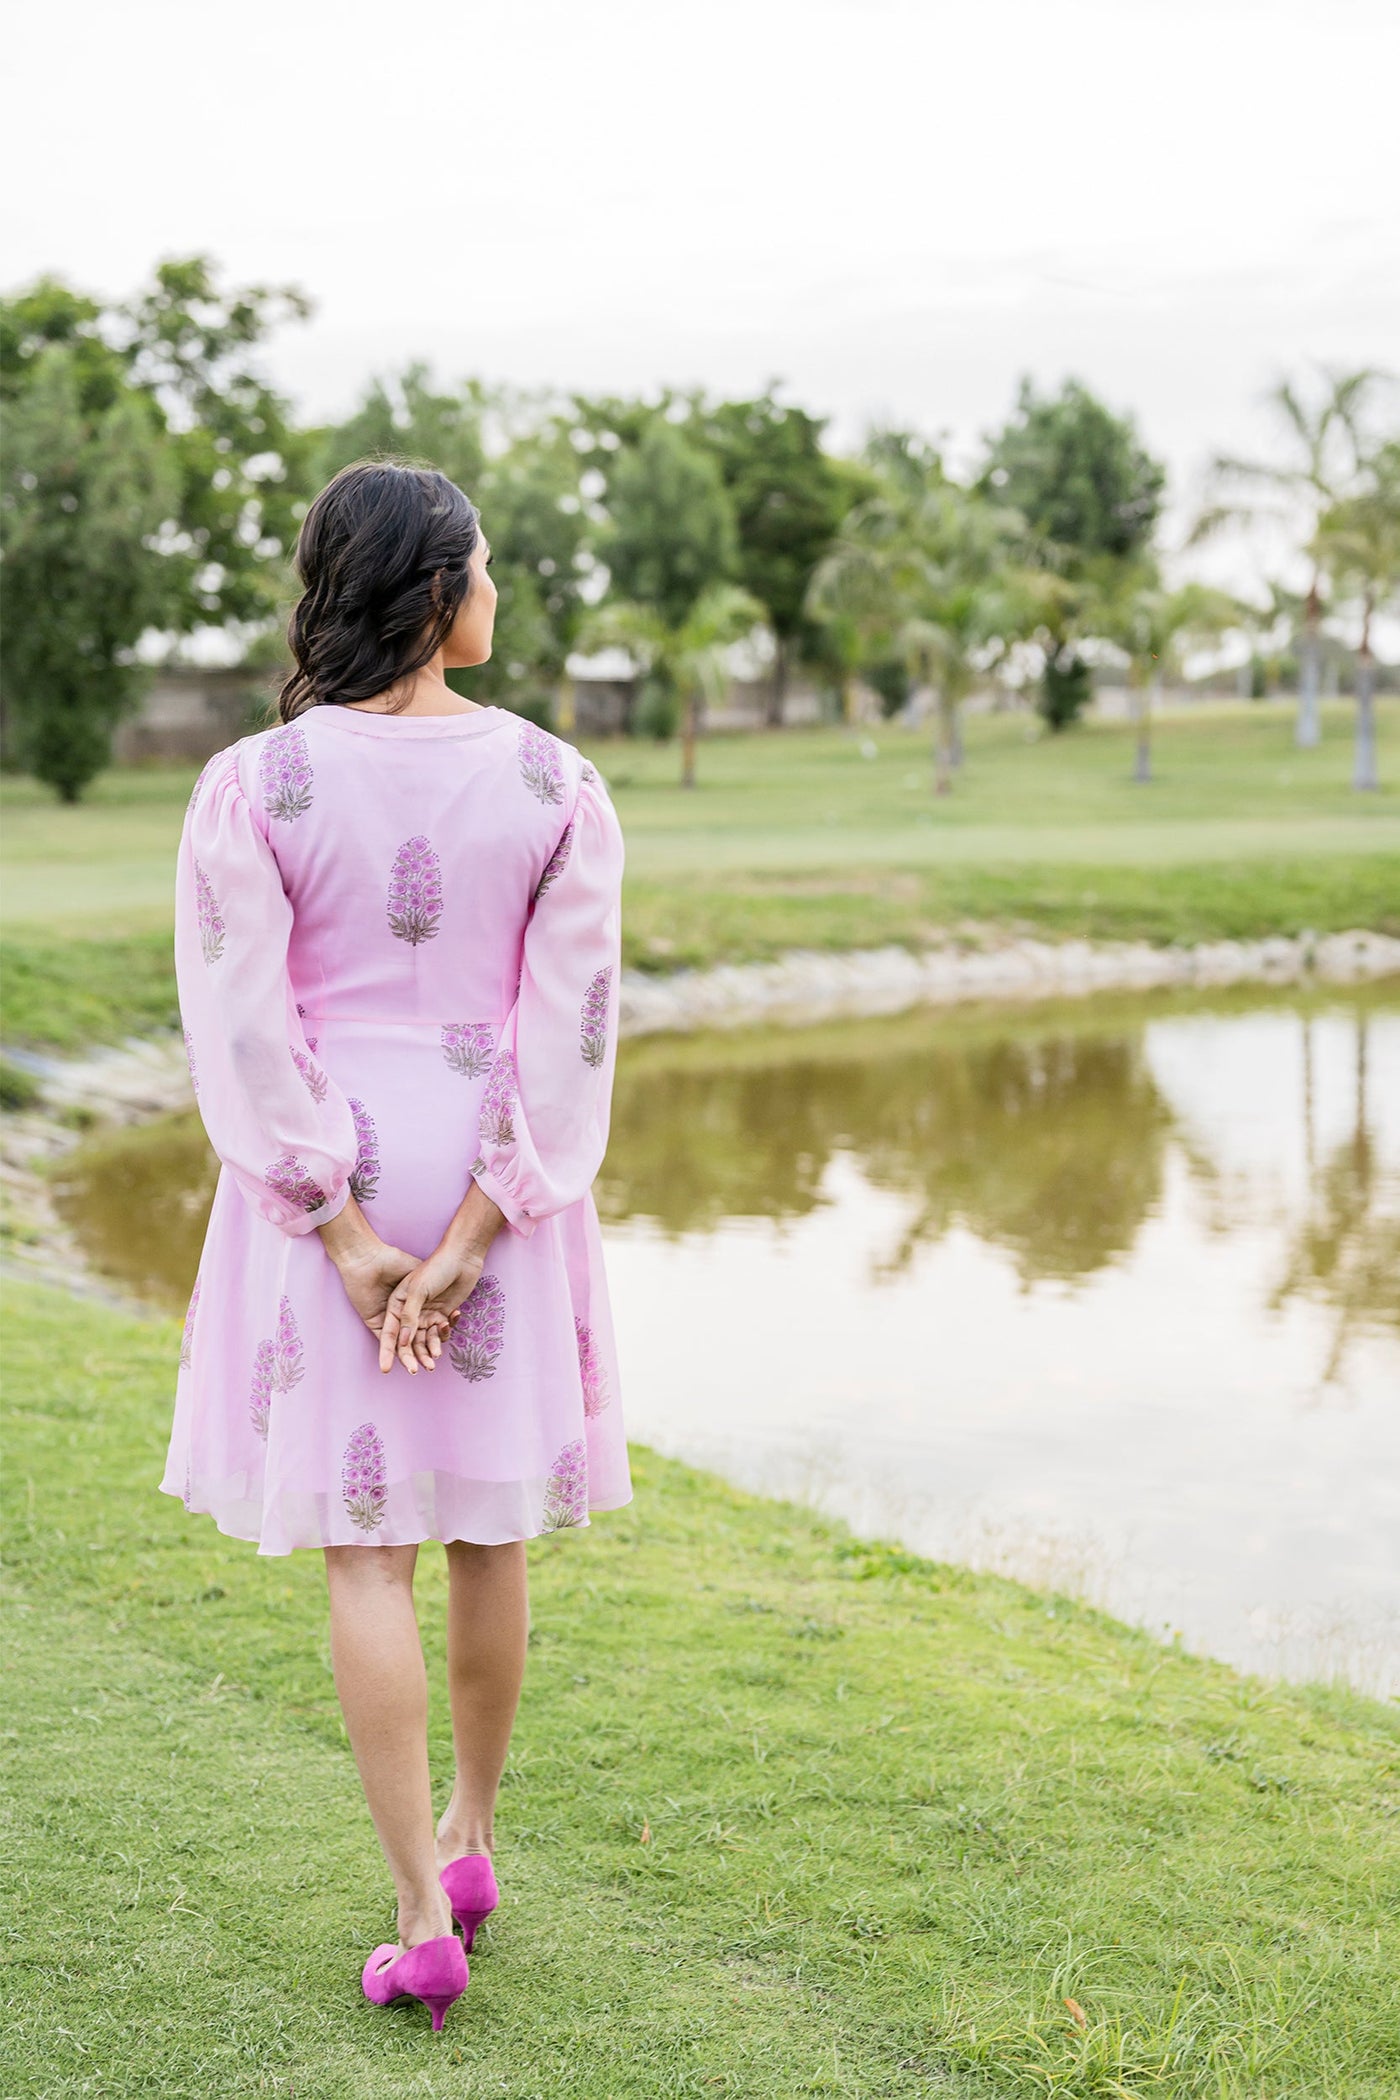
column 396, row 942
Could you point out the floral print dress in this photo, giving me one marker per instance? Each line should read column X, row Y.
column 397, row 948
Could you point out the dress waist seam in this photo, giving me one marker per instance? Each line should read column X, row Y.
column 323, row 1017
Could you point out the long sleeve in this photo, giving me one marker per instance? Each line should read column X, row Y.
column 545, row 1113
column 276, row 1120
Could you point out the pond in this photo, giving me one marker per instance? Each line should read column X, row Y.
column 1105, row 1296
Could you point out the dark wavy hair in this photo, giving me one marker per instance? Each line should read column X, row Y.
column 382, row 554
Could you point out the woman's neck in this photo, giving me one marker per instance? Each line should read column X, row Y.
column 427, row 693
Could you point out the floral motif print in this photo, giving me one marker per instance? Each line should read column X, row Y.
column 310, row 1040
column 189, row 1059
column 285, row 773
column 415, row 892
column 211, row 926
column 593, row 1023
column 316, row 1081
column 364, row 1478
column 566, row 1491
column 556, row 861
column 187, row 1338
column 590, row 1367
column 260, row 1399
column 188, row 1489
column 479, row 1331
column 288, row 1178
column 287, row 1362
column 539, row 764
column 277, row 1367
column 588, row 772
column 467, row 1046
column 498, row 1102
column 364, row 1176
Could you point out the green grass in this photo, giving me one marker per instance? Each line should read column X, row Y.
column 798, row 840
column 786, row 1814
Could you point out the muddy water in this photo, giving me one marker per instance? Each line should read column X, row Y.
column 1107, row 1297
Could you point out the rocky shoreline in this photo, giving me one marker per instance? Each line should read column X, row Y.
column 143, row 1078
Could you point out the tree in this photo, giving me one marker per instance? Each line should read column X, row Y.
column 89, row 485
column 789, row 499
column 1090, row 495
column 408, row 417
column 1358, row 545
column 1155, row 627
column 1322, row 438
column 689, row 661
column 231, row 473
column 669, row 544
column 671, row 532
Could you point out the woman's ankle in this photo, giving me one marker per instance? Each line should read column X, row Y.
column 429, row 1920
column 459, row 1836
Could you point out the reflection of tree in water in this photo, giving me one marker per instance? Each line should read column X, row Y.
column 1347, row 1251
column 1050, row 1147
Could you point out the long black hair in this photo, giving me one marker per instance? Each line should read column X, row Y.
column 383, row 554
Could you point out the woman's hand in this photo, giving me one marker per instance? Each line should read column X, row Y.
column 426, row 1300
column 370, row 1269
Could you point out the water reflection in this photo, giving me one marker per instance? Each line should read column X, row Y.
column 1107, row 1297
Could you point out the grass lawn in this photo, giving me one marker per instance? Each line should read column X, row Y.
column 798, row 839
column 787, row 1814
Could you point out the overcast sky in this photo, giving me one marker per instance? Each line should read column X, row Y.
column 895, row 206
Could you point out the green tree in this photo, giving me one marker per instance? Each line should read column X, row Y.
column 1155, row 627
column 408, row 417
column 687, row 663
column 1358, row 546
column 1090, row 495
column 671, row 534
column 89, row 486
column 1321, row 431
column 243, row 466
column 789, row 499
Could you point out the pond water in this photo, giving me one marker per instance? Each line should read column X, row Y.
column 1106, row 1297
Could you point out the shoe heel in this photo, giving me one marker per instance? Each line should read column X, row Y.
column 469, row 1920
column 439, row 2008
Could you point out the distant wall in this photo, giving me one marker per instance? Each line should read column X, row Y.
column 190, row 715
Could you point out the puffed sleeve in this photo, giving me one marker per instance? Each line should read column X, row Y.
column 277, row 1121
column 548, row 1098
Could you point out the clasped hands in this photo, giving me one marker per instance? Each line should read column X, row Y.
column 409, row 1304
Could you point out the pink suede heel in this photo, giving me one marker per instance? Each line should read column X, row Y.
column 470, row 1883
column 435, row 1971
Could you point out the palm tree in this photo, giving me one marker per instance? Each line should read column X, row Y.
column 1358, row 546
column 854, row 590
column 1323, row 436
column 689, row 661
column 1156, row 627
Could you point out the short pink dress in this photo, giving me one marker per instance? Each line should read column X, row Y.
column 397, row 951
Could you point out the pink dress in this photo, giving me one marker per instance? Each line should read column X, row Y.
column 397, row 950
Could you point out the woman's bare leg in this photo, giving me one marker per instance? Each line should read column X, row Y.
column 487, row 1623
column 377, row 1657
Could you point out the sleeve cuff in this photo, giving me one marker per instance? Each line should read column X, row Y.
column 518, row 1221
column 307, row 1220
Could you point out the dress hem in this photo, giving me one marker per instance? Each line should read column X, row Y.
column 424, row 1538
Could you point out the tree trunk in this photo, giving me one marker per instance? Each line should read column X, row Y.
column 943, row 745
column 1142, row 760
column 848, row 697
column 1308, row 731
column 955, row 734
column 1364, row 774
column 777, row 696
column 689, row 729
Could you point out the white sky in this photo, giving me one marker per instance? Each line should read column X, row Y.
column 896, row 206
